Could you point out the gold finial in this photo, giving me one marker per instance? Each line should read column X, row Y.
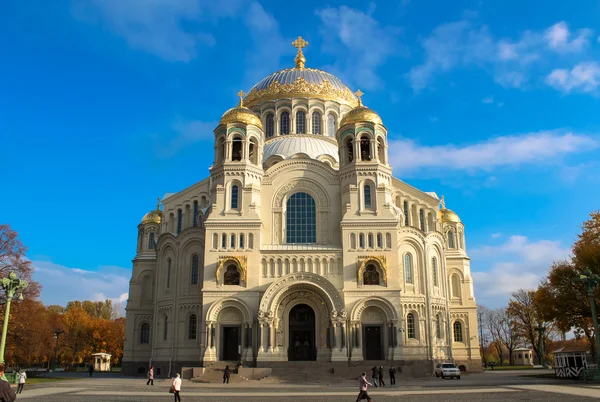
column 443, row 203
column 300, row 43
column 358, row 94
column 241, row 94
column 158, row 204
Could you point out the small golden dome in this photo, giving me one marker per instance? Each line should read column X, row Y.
column 361, row 114
column 241, row 114
column 153, row 217
column 449, row 215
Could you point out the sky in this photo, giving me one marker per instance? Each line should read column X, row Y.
column 107, row 104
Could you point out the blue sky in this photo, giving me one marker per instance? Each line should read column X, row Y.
column 105, row 105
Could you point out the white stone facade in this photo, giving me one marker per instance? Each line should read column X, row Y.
column 220, row 279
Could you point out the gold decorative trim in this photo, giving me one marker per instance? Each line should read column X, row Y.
column 241, row 262
column 362, row 262
column 301, row 88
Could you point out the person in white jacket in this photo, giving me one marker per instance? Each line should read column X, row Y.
column 176, row 387
column 22, row 376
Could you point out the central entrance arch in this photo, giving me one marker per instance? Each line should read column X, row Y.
column 302, row 333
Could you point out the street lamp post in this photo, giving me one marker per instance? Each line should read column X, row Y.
column 541, row 329
column 590, row 281
column 57, row 333
column 11, row 285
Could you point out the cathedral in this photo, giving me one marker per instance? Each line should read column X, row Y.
column 300, row 246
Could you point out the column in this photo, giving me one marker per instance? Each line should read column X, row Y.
column 334, row 337
column 249, row 336
column 359, row 335
column 212, row 336
column 343, row 334
column 260, row 337
column 395, row 335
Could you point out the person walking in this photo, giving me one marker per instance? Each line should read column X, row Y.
column 176, row 386
column 374, row 376
column 7, row 394
column 22, row 376
column 150, row 376
column 381, row 382
column 392, row 375
column 226, row 375
column 364, row 386
column 91, row 369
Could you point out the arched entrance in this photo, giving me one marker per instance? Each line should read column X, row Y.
column 302, row 333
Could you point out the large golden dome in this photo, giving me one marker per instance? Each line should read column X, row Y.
column 361, row 114
column 241, row 114
column 153, row 217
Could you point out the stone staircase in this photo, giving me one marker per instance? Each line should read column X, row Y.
column 213, row 373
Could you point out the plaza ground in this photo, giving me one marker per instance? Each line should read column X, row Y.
column 488, row 386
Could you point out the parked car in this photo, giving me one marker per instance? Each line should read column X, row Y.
column 447, row 370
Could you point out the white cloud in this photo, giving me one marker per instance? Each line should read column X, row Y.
column 541, row 147
column 519, row 263
column 496, row 235
column 510, row 61
column 61, row 284
column 584, row 77
column 360, row 43
column 558, row 36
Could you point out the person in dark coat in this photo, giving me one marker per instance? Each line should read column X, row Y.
column 7, row 394
column 91, row 369
column 392, row 375
column 374, row 375
column 380, row 371
column 226, row 375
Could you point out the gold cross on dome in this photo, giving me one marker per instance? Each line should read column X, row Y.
column 359, row 93
column 158, row 204
column 241, row 94
column 300, row 43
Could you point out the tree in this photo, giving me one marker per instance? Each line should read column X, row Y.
column 12, row 258
column 525, row 309
column 98, row 309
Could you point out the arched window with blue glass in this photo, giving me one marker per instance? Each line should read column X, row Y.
column 168, row 273
column 434, row 269
column 408, row 269
column 422, row 219
column 194, row 270
column 411, row 332
column 405, row 213
column 235, row 193
column 151, row 241
column 284, row 123
column 179, row 220
column 270, row 126
column 300, row 122
column 367, row 191
column 316, row 123
column 195, row 213
column 301, row 219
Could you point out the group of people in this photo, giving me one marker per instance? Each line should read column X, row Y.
column 377, row 376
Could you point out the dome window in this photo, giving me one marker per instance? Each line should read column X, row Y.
column 270, row 126
column 300, row 123
column 284, row 123
column 368, row 204
column 365, row 148
column 151, row 241
column 316, row 123
column 350, row 149
column 234, row 196
column 236, row 149
column 331, row 125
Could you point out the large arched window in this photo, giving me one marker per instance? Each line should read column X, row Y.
column 195, row 223
column 194, row 271
column 300, row 122
column 179, row 220
column 301, row 219
column 438, row 326
column 284, row 123
column 458, row 331
column 365, row 148
column 367, row 191
column 405, row 213
column 408, row 269
column 145, row 333
column 193, row 327
column 331, row 125
column 168, row 273
column 316, row 123
column 270, row 125
column 151, row 241
column 410, row 326
column 434, row 270
column 235, row 193
column 451, row 243
column 166, row 328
